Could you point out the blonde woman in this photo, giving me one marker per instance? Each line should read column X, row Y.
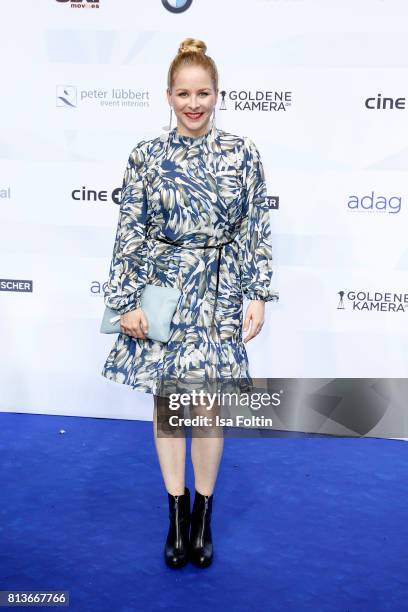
column 193, row 215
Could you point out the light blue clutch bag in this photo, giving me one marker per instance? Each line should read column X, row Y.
column 158, row 304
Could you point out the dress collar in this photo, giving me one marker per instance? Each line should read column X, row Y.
column 189, row 140
column 206, row 140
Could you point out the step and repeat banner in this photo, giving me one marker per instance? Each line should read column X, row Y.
column 319, row 86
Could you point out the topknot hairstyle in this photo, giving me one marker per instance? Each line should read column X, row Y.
column 192, row 52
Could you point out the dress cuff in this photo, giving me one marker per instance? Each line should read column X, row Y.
column 135, row 302
column 264, row 294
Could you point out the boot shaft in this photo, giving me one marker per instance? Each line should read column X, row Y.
column 201, row 519
column 179, row 505
column 201, row 546
column 179, row 515
column 202, row 506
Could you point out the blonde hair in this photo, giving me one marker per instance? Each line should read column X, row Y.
column 192, row 52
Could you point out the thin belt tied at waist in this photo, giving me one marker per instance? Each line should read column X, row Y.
column 205, row 246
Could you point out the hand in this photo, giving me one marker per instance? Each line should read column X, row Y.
column 255, row 315
column 134, row 324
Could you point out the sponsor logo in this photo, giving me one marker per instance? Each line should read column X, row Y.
column 273, row 202
column 5, row 193
column 177, row 6
column 72, row 97
column 98, row 288
column 16, row 284
column 381, row 102
column 84, row 194
column 374, row 203
column 377, row 301
column 83, row 4
column 259, row 100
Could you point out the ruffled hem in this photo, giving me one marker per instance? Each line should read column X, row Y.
column 154, row 367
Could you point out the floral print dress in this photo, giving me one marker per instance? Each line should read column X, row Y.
column 197, row 191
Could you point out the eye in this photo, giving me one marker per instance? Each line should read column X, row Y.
column 203, row 93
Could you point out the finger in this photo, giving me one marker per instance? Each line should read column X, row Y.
column 144, row 323
column 256, row 327
column 249, row 337
column 133, row 332
column 141, row 330
column 247, row 322
column 250, row 332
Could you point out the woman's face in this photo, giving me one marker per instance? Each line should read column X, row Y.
column 193, row 98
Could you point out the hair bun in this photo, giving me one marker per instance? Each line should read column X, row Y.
column 192, row 45
column 192, row 52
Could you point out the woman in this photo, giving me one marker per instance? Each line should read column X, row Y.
column 198, row 187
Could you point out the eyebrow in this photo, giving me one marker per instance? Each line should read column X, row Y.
column 186, row 88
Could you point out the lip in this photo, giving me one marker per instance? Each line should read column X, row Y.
column 194, row 116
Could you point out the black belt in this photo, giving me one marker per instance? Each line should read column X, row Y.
column 215, row 246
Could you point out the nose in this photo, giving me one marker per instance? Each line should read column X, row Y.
column 194, row 104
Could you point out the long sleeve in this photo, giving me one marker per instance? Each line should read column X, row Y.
column 128, row 268
column 255, row 232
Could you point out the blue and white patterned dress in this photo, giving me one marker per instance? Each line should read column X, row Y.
column 204, row 190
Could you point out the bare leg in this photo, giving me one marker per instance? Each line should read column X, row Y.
column 171, row 450
column 207, row 445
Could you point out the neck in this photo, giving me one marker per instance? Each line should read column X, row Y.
column 193, row 133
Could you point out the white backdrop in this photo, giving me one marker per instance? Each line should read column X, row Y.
column 63, row 153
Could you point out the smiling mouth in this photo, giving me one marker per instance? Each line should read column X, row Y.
column 194, row 115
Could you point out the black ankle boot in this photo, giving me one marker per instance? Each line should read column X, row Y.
column 201, row 546
column 176, row 547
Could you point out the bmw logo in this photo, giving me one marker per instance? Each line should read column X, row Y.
column 177, row 6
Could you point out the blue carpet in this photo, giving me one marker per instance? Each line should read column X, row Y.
column 299, row 524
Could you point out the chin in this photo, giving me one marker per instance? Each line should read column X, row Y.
column 193, row 125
